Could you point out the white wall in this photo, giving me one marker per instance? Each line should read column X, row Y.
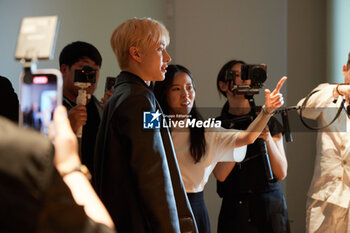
column 306, row 59
column 87, row 20
column 210, row 33
column 338, row 38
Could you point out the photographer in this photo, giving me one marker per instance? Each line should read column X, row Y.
column 329, row 193
column 251, row 203
column 74, row 57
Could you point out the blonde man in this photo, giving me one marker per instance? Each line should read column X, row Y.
column 137, row 176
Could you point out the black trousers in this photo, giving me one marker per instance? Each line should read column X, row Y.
column 200, row 211
column 254, row 213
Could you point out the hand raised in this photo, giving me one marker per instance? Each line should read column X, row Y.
column 274, row 99
column 66, row 144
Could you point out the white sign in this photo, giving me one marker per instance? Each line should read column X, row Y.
column 37, row 37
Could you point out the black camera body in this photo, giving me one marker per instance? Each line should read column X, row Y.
column 86, row 75
column 256, row 73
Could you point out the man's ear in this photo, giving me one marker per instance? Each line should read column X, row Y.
column 64, row 68
column 223, row 86
column 345, row 68
column 135, row 54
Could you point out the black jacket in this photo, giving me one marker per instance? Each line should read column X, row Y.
column 137, row 176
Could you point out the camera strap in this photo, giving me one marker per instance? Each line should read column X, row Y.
column 321, row 127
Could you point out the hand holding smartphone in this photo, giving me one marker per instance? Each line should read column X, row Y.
column 40, row 94
column 109, row 88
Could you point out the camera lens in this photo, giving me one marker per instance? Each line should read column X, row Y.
column 258, row 74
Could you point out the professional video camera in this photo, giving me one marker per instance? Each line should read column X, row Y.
column 256, row 73
column 83, row 79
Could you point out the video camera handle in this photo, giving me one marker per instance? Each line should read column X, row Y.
column 285, row 122
column 82, row 98
column 268, row 170
column 244, row 89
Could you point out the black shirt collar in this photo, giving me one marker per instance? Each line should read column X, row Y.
column 127, row 77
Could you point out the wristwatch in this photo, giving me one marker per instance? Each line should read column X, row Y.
column 79, row 168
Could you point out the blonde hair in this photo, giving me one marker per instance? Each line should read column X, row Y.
column 140, row 33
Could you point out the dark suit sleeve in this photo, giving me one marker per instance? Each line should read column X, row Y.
column 148, row 163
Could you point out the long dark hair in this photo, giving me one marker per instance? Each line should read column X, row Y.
column 161, row 89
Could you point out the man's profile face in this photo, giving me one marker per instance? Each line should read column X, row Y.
column 69, row 89
column 154, row 61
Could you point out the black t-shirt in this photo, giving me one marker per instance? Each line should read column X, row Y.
column 248, row 176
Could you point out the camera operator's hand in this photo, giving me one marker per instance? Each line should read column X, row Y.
column 274, row 99
column 77, row 117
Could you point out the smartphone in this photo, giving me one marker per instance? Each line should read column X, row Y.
column 109, row 86
column 40, row 94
